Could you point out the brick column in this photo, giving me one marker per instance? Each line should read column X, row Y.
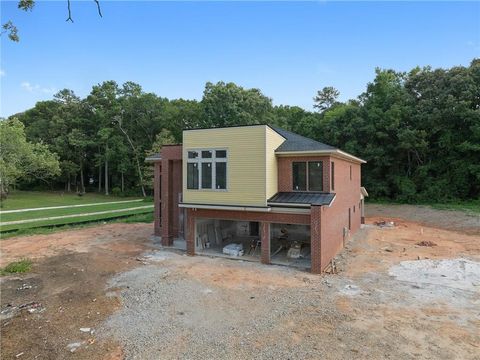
column 167, row 236
column 190, row 232
column 362, row 209
column 316, row 239
column 326, row 175
column 265, row 238
column 157, row 198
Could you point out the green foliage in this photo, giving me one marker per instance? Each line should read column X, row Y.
column 20, row 159
column 116, row 191
column 326, row 98
column 419, row 130
column 227, row 104
column 20, row 266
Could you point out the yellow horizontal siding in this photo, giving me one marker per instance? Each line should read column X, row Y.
column 272, row 141
column 246, row 166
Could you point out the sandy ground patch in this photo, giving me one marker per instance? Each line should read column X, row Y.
column 38, row 247
column 67, row 282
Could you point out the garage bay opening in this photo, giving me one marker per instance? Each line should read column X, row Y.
column 228, row 238
column 290, row 245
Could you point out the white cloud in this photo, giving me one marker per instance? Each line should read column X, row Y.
column 27, row 86
column 2, row 73
column 474, row 44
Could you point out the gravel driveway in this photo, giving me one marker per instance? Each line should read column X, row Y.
column 179, row 307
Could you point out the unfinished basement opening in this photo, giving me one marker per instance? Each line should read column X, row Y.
column 228, row 238
column 290, row 245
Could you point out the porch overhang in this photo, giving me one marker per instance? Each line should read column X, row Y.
column 225, row 207
column 301, row 199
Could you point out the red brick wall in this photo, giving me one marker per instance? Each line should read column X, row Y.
column 190, row 232
column 176, row 190
column 166, row 203
column 171, row 186
column 285, row 176
column 171, row 152
column 265, row 237
column 302, row 219
column 156, row 197
column 336, row 217
column 316, row 239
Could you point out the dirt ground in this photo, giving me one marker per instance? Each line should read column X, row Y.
column 444, row 219
column 142, row 302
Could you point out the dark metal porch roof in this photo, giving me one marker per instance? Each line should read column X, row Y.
column 300, row 197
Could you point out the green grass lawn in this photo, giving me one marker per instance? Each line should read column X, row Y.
column 69, row 211
column 136, row 218
column 19, row 200
column 34, row 199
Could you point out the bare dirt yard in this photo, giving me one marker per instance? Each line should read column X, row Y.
column 402, row 292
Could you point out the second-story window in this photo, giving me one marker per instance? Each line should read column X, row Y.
column 307, row 175
column 207, row 169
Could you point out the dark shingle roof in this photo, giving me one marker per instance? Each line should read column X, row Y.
column 312, row 198
column 295, row 142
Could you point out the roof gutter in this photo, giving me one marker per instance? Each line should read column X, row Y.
column 224, row 207
column 290, row 205
column 335, row 152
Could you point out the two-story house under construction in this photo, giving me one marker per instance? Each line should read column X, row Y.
column 259, row 192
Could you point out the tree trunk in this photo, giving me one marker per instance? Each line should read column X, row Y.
column 76, row 183
column 69, row 186
column 123, row 183
column 100, row 177
column 82, row 183
column 139, row 169
column 106, row 170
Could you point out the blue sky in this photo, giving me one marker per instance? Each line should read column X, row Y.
column 287, row 49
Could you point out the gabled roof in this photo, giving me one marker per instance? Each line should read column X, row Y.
column 295, row 142
column 302, row 198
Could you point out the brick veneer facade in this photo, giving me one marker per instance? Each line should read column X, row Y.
column 285, row 175
column 167, row 187
column 265, row 238
column 327, row 224
column 346, row 201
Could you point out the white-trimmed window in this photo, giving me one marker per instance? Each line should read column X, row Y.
column 207, row 169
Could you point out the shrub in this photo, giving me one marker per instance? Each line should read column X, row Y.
column 21, row 266
column 116, row 191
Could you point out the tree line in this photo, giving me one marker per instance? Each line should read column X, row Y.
column 419, row 131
